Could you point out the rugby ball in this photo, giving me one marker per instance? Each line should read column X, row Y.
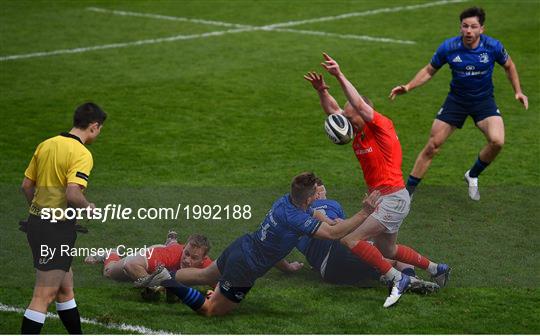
column 339, row 129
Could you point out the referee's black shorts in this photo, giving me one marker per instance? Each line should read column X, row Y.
column 43, row 236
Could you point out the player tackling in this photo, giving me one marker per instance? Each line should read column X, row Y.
column 378, row 150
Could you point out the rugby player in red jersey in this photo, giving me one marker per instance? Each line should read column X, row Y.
column 172, row 255
column 377, row 147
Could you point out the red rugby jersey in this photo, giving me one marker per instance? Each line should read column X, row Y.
column 378, row 150
column 170, row 257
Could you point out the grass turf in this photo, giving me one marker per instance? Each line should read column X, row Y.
column 229, row 119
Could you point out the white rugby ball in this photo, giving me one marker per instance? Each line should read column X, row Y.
column 339, row 129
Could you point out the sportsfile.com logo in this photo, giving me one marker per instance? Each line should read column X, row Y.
column 120, row 212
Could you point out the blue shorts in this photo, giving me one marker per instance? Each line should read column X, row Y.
column 237, row 277
column 344, row 268
column 455, row 111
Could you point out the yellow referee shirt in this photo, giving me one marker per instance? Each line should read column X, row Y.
column 56, row 162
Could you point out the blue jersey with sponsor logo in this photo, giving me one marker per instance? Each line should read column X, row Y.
column 471, row 68
column 278, row 234
column 315, row 250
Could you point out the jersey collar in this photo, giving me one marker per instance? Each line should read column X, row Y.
column 69, row 135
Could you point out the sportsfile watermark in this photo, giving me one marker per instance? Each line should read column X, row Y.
column 120, row 212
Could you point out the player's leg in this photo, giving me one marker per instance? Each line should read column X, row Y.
column 66, row 306
column 357, row 242
column 493, row 129
column 440, row 132
column 198, row 276
column 45, row 290
column 136, row 267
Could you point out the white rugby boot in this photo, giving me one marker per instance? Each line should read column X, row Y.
column 474, row 194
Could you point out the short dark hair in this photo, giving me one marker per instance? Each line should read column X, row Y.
column 472, row 12
column 303, row 186
column 318, row 181
column 88, row 113
column 199, row 241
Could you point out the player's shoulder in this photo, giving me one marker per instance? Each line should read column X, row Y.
column 490, row 43
column 451, row 44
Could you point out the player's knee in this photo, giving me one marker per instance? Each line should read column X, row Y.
column 45, row 296
column 432, row 148
column 496, row 143
column 388, row 252
column 65, row 295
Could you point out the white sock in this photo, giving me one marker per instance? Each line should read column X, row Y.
column 35, row 316
column 393, row 275
column 66, row 305
column 432, row 268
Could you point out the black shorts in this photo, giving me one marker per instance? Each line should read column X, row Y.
column 237, row 278
column 454, row 111
column 344, row 268
column 43, row 236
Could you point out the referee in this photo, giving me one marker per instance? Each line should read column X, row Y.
column 56, row 178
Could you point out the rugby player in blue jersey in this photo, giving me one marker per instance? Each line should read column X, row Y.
column 252, row 255
column 471, row 58
column 335, row 263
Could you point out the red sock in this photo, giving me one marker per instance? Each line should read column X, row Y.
column 409, row 256
column 371, row 255
column 111, row 258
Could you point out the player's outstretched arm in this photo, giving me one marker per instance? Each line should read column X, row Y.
column 513, row 77
column 328, row 103
column 354, row 98
column 424, row 75
column 342, row 228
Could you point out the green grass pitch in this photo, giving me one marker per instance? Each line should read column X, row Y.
column 227, row 118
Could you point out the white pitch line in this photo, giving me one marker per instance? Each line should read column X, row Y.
column 365, row 13
column 244, row 28
column 344, row 36
column 250, row 28
column 117, row 326
column 122, row 45
column 166, row 17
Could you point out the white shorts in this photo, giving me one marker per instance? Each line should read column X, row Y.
column 393, row 209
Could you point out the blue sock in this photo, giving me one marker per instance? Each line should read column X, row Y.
column 412, row 182
column 478, row 167
column 409, row 271
column 189, row 296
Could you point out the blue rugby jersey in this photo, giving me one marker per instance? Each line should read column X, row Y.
column 472, row 69
column 278, row 234
column 315, row 250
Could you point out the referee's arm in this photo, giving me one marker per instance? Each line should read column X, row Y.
column 28, row 188
column 75, row 196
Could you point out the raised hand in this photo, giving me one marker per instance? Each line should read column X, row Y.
column 398, row 90
column 316, row 81
column 523, row 100
column 371, row 201
column 331, row 65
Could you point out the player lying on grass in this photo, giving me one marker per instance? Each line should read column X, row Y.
column 335, row 263
column 172, row 255
column 378, row 150
column 252, row 255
